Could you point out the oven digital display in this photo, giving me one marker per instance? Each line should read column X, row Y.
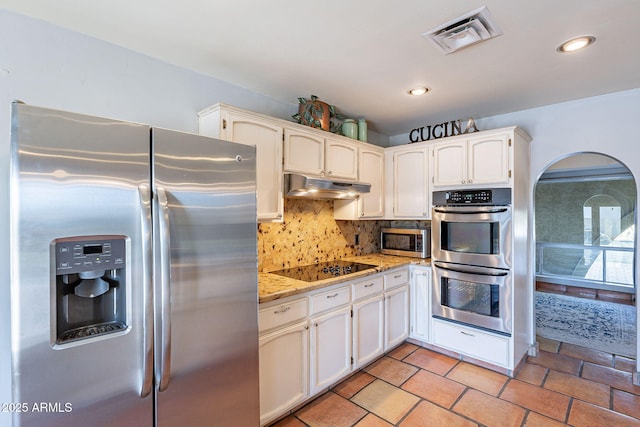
column 471, row 237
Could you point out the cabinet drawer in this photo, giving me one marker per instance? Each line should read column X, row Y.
column 330, row 299
column 278, row 315
column 368, row 287
column 396, row 278
column 472, row 342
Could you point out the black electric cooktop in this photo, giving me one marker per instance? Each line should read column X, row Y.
column 323, row 270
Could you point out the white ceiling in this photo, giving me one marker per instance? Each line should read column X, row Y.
column 362, row 56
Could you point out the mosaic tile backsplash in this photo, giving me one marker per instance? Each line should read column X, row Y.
column 309, row 234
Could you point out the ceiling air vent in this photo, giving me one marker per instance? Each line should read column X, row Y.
column 472, row 28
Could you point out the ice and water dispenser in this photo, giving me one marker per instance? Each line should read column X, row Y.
column 90, row 287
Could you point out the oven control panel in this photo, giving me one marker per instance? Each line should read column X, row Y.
column 491, row 197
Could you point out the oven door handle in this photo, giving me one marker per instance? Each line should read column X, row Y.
column 463, row 210
column 470, row 269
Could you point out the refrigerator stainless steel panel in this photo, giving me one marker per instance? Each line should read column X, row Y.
column 74, row 175
column 133, row 275
column 206, row 260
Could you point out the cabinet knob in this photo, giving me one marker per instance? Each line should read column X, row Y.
column 470, row 181
column 424, row 214
column 463, row 182
column 329, row 173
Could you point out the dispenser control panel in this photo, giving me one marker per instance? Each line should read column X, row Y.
column 87, row 253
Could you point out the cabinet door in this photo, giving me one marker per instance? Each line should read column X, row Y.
column 268, row 141
column 284, row 370
column 368, row 330
column 303, row 152
column 420, row 297
column 449, row 164
column 488, row 160
column 371, row 170
column 341, row 160
column 369, row 205
column 396, row 304
column 410, row 184
column 330, row 348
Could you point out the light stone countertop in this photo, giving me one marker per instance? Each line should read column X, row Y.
column 272, row 286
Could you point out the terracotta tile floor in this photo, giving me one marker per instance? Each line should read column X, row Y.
column 413, row 386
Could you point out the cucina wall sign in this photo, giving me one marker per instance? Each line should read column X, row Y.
column 443, row 130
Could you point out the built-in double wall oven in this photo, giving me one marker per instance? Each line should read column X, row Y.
column 472, row 258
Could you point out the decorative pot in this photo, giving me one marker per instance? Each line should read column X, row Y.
column 315, row 113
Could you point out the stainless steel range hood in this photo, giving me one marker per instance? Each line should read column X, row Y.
column 296, row 185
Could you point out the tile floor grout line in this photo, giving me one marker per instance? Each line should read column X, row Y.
column 569, row 408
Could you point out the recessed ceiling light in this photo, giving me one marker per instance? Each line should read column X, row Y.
column 418, row 90
column 576, row 43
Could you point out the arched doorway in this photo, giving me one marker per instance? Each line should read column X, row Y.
column 585, row 228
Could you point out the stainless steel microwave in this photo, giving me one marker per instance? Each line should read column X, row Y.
column 411, row 242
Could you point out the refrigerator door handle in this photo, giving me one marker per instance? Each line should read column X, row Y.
column 165, row 288
column 147, row 317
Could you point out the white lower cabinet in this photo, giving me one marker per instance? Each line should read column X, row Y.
column 368, row 330
column 420, row 303
column 396, row 307
column 473, row 342
column 330, row 348
column 284, row 370
column 312, row 341
column 396, row 319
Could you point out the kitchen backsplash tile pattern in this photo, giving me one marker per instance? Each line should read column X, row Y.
column 309, row 234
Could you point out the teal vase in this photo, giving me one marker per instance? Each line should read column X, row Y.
column 350, row 128
column 362, row 130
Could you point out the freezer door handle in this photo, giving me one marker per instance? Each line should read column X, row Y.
column 147, row 316
column 164, row 244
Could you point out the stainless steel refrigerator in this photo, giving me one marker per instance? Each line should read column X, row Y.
column 133, row 275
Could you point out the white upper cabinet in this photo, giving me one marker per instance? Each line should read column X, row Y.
column 312, row 154
column 407, row 185
column 488, row 160
column 303, row 152
column 341, row 160
column 371, row 171
column 476, row 161
column 227, row 123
